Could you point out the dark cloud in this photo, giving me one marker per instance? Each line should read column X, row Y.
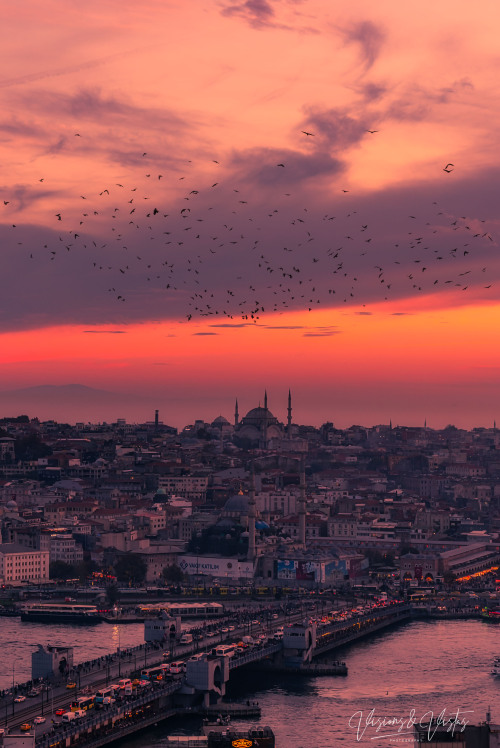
column 260, row 165
column 258, row 13
column 369, row 37
column 105, row 332
column 364, row 314
column 335, row 128
column 314, row 248
column 283, row 327
column 400, row 314
column 373, row 91
column 233, row 324
column 22, row 196
column 321, row 334
column 205, row 333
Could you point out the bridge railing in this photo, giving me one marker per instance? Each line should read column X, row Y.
column 254, row 655
column 97, row 718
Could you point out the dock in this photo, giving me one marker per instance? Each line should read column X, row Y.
column 229, row 709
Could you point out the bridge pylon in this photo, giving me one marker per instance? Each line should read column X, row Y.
column 299, row 642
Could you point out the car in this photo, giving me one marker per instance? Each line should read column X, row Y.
column 25, row 727
column 59, row 712
column 71, row 685
column 39, row 720
column 20, row 699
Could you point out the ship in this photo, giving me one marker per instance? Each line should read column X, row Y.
column 61, row 613
column 255, row 737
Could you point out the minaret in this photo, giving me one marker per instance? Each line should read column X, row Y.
column 156, row 420
column 251, row 519
column 264, row 429
column 289, row 420
column 236, row 414
column 302, row 504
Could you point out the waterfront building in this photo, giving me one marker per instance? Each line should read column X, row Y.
column 19, row 564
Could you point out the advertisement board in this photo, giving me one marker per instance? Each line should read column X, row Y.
column 216, row 566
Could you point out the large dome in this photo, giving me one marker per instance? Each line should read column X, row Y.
column 257, row 415
column 236, row 504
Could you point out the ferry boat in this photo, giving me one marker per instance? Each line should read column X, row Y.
column 61, row 613
column 496, row 667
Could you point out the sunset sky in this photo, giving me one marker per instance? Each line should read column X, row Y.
column 171, row 233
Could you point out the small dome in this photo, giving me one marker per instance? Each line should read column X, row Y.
column 220, row 421
column 261, row 525
column 12, row 504
column 161, row 492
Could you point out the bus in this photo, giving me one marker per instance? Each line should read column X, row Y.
column 226, row 650
column 104, row 694
column 155, row 674
column 84, row 703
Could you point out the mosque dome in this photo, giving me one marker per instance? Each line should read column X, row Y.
column 220, row 421
column 12, row 504
column 257, row 415
column 237, row 504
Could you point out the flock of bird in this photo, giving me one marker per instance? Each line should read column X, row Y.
column 235, row 251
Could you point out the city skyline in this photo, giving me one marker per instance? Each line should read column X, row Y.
column 272, row 194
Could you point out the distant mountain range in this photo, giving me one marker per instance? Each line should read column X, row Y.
column 68, row 403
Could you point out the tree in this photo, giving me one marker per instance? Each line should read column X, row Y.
column 112, row 594
column 130, row 568
column 449, row 577
column 173, row 573
column 62, row 570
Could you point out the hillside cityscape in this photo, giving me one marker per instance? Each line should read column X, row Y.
column 254, row 501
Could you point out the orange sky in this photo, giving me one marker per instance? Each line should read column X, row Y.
column 187, row 109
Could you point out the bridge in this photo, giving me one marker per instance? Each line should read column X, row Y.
column 205, row 679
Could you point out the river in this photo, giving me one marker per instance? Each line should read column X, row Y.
column 421, row 666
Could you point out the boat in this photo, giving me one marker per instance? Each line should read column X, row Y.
column 496, row 667
column 61, row 613
column 492, row 615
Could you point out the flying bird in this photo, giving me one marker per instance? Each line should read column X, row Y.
column 304, row 132
column 446, row 169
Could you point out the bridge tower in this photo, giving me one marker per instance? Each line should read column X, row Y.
column 299, row 642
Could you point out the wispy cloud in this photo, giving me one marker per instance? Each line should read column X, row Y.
column 368, row 37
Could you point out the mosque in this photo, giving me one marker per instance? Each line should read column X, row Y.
column 260, row 428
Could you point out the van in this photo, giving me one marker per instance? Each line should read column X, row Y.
column 177, row 667
column 68, row 717
column 186, row 639
column 125, row 684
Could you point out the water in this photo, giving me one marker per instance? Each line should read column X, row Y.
column 18, row 640
column 424, row 666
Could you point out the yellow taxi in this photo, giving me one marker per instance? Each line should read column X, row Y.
column 25, row 727
column 70, row 685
